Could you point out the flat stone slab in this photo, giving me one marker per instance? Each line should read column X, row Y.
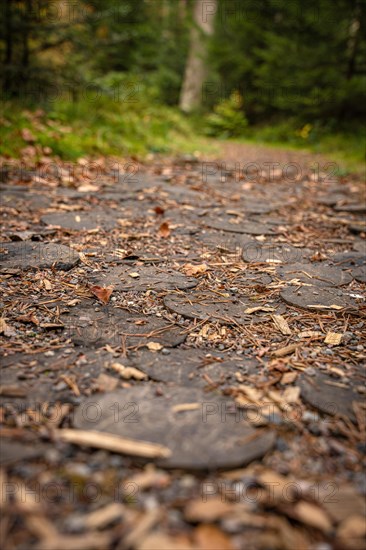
column 245, row 227
column 323, row 393
column 79, row 220
column 359, row 273
column 213, row 434
column 355, row 208
column 317, row 299
column 206, row 305
column 273, row 253
column 224, row 241
column 16, row 451
column 37, row 255
column 349, row 259
column 319, row 274
column 117, row 327
column 149, row 277
column 193, row 367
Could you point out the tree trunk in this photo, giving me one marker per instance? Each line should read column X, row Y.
column 196, row 68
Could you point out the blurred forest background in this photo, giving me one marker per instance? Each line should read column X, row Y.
column 164, row 76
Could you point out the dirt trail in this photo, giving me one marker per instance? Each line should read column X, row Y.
column 184, row 351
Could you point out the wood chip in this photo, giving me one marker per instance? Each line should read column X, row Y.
column 287, row 350
column 333, row 338
column 104, row 516
column 250, row 310
column 113, row 443
column 186, row 407
column 128, row 372
column 313, row 515
column 281, row 324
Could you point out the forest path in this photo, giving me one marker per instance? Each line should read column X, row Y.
column 204, row 320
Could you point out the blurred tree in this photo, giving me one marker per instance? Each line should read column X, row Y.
column 196, row 69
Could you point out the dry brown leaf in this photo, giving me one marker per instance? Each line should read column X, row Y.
column 128, row 372
column 333, row 338
column 312, row 515
column 210, row 537
column 309, row 334
column 47, row 284
column 289, row 377
column 103, row 293
column 191, row 269
column 5, row 329
column 352, row 528
column 27, row 135
column 212, row 510
column 161, row 541
column 164, row 230
column 106, row 383
column 114, row 443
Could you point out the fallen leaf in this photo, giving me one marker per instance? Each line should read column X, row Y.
column 159, row 211
column 106, row 383
column 289, row 377
column 191, row 269
column 212, row 510
column 5, row 329
column 47, row 284
column 134, row 275
column 103, row 293
column 154, row 346
column 312, row 515
column 161, row 541
column 164, row 230
column 128, row 372
column 28, row 136
column 333, row 338
column 353, row 528
column 210, row 537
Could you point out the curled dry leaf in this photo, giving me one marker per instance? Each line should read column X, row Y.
column 164, row 230
column 103, row 293
column 191, row 269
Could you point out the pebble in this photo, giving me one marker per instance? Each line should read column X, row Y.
column 360, row 347
column 309, row 416
column 49, row 353
column 165, row 351
column 60, row 386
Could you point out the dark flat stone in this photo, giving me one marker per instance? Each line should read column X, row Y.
column 246, row 227
column 214, row 435
column 349, row 259
column 305, row 297
column 206, row 305
column 321, row 393
column 359, row 273
column 112, row 325
column 355, row 208
column 273, row 253
column 150, row 278
column 82, row 221
column 37, row 255
column 15, row 451
column 191, row 367
column 319, row 274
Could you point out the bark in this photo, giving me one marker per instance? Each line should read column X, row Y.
column 196, row 68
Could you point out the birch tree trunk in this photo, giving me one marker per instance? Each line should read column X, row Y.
column 196, row 68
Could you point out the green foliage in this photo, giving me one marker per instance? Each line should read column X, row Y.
column 228, row 118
